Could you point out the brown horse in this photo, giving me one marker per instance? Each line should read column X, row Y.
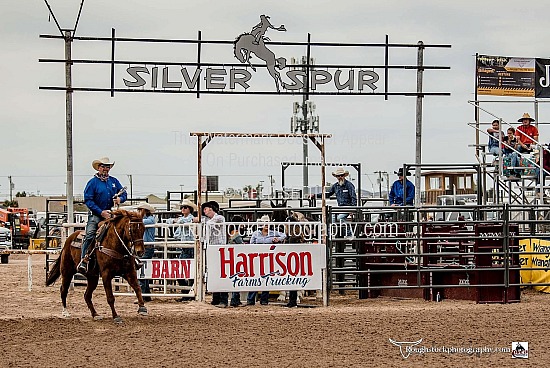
column 114, row 257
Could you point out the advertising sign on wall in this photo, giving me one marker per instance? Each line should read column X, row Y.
column 264, row 267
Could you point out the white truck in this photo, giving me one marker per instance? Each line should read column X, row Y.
column 6, row 243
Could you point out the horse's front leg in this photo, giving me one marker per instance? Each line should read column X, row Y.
column 132, row 279
column 247, row 58
column 90, row 287
column 108, row 286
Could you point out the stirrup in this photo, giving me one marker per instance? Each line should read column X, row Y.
column 82, row 266
column 138, row 263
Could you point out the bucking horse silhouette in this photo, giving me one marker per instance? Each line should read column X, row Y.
column 247, row 44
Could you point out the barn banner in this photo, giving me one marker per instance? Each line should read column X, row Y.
column 505, row 76
column 542, row 78
column 169, row 269
column 264, row 267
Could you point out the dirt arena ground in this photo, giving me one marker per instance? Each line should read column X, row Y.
column 349, row 333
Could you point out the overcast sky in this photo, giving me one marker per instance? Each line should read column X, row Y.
column 148, row 134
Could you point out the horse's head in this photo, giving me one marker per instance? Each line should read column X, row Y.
column 130, row 228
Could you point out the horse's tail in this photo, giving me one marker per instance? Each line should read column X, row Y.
column 55, row 272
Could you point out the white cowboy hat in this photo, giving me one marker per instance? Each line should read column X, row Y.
column 340, row 171
column 526, row 116
column 102, row 161
column 187, row 202
column 264, row 218
column 146, row 206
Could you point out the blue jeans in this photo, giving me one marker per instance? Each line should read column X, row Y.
column 341, row 219
column 495, row 150
column 186, row 253
column 251, row 298
column 91, row 231
column 143, row 283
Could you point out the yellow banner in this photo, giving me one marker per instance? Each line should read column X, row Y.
column 541, row 260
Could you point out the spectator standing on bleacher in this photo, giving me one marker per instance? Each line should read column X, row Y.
column 495, row 137
column 527, row 134
column 345, row 196
column 146, row 211
column 396, row 192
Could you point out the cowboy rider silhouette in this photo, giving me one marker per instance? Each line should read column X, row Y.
column 259, row 30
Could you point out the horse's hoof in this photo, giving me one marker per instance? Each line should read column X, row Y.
column 65, row 314
column 117, row 319
column 142, row 311
column 98, row 318
column 281, row 298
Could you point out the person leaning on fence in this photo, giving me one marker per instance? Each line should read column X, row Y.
column 146, row 211
column 264, row 235
column 184, row 233
column 216, row 236
column 102, row 192
column 235, row 233
column 396, row 192
column 345, row 196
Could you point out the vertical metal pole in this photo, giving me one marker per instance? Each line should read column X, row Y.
column 11, row 188
column 305, row 123
column 132, row 189
column 69, row 124
column 324, row 223
column 200, row 290
column 418, row 158
column 112, row 62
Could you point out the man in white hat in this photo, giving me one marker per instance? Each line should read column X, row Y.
column 146, row 211
column 345, row 195
column 102, row 192
column 526, row 134
column 185, row 233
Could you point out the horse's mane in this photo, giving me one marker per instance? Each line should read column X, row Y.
column 120, row 214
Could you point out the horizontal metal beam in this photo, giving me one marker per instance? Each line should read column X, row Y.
column 194, row 41
column 314, row 66
column 221, row 92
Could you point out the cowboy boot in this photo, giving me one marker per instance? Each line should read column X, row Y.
column 83, row 265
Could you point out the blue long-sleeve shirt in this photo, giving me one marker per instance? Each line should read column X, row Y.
column 396, row 193
column 345, row 193
column 98, row 194
column 149, row 234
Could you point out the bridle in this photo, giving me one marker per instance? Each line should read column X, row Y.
column 132, row 241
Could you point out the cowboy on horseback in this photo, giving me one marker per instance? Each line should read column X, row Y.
column 102, row 192
column 259, row 30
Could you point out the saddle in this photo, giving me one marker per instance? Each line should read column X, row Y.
column 100, row 235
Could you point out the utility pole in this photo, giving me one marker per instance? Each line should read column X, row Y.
column 131, row 188
column 271, row 182
column 11, row 189
column 307, row 122
column 380, row 181
column 68, row 35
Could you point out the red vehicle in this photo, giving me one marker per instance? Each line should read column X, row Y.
column 17, row 220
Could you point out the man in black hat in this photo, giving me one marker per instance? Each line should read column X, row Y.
column 216, row 236
column 396, row 193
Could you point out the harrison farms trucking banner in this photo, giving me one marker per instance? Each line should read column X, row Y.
column 512, row 76
column 264, row 267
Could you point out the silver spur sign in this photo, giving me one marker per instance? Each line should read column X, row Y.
column 259, row 66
